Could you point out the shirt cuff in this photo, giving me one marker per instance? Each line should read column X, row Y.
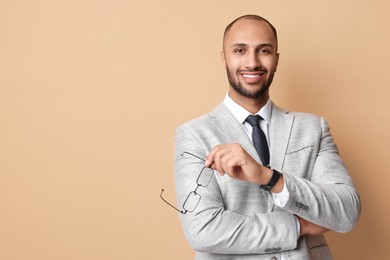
column 280, row 199
column 298, row 226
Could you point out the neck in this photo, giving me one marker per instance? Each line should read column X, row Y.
column 253, row 105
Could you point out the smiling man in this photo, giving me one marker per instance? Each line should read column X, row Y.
column 256, row 181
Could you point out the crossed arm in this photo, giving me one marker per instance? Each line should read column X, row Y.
column 233, row 160
column 212, row 228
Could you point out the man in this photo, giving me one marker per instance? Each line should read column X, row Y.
column 246, row 210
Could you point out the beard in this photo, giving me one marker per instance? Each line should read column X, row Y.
column 245, row 92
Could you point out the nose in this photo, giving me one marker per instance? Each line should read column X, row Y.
column 252, row 60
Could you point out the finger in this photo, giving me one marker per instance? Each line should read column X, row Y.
column 213, row 166
column 218, row 150
column 222, row 156
column 228, row 162
column 219, row 154
column 210, row 157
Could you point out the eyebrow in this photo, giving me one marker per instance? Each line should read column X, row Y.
column 244, row 45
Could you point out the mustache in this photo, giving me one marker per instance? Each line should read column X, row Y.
column 257, row 69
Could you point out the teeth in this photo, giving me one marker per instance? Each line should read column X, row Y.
column 250, row 76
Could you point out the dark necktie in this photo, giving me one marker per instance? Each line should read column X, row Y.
column 258, row 138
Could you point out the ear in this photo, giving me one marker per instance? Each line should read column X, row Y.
column 223, row 59
column 277, row 61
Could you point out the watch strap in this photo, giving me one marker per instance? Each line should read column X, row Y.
column 274, row 179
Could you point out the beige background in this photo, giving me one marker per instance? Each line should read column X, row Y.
column 91, row 93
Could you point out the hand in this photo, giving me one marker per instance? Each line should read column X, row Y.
column 234, row 160
column 308, row 228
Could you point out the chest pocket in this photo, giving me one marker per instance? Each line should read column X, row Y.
column 299, row 161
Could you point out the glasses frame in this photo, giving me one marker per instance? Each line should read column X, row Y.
column 192, row 193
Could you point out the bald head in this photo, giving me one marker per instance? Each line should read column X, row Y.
column 250, row 17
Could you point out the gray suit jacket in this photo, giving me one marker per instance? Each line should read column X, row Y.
column 236, row 219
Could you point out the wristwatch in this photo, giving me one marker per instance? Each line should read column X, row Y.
column 274, row 179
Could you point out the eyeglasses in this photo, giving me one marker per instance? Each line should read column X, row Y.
column 193, row 197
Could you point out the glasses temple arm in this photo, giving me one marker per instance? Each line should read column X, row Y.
column 193, row 155
column 181, row 211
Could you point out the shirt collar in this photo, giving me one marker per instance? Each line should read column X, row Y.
column 241, row 113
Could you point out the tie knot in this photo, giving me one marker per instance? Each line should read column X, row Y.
column 253, row 120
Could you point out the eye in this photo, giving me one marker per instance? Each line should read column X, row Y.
column 239, row 50
column 264, row 51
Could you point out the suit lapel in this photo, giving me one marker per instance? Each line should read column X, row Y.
column 280, row 132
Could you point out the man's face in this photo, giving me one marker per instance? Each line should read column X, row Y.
column 250, row 58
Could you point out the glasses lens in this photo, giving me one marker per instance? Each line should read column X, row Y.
column 191, row 201
column 205, row 176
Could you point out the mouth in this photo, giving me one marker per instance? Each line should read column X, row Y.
column 252, row 77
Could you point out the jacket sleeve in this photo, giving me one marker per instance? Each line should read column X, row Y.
column 213, row 229
column 327, row 196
